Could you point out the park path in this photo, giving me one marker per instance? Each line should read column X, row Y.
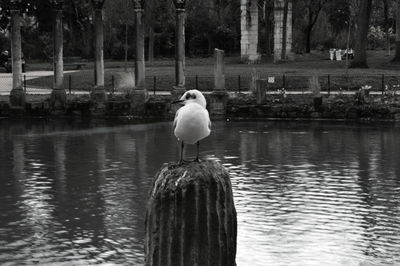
column 6, row 82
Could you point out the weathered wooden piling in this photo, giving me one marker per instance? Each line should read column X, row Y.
column 191, row 216
column 260, row 91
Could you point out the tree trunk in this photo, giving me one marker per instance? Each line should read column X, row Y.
column 126, row 46
column 308, row 40
column 151, row 45
column 360, row 40
column 386, row 22
column 86, row 34
column 284, row 30
column 397, row 55
column 269, row 14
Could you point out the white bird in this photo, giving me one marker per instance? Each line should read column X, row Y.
column 192, row 121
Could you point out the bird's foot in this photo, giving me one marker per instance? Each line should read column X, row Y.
column 182, row 162
column 197, row 160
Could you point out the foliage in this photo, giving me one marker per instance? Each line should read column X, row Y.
column 209, row 24
column 377, row 37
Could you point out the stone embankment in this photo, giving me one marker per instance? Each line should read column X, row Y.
column 225, row 106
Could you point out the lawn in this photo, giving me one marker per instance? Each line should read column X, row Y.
column 292, row 75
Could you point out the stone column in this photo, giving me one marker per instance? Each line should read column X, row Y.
column 139, row 60
column 218, row 99
column 17, row 94
column 283, row 24
column 219, row 70
column 58, row 95
column 98, row 93
column 249, row 31
column 180, row 46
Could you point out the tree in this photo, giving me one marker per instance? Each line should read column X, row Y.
column 266, row 28
column 361, row 31
column 397, row 55
column 386, row 23
column 313, row 8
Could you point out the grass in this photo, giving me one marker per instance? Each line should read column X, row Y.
column 296, row 73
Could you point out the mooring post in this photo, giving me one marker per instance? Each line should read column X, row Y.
column 154, row 85
column 284, row 81
column 25, row 84
column 239, row 83
column 70, row 84
column 112, row 84
column 329, row 84
column 191, row 216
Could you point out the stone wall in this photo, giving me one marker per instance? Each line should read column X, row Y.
column 306, row 106
column 249, row 31
column 237, row 106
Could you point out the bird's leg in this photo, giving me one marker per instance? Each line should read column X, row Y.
column 181, row 159
column 197, row 156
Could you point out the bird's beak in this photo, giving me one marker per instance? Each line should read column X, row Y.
column 177, row 101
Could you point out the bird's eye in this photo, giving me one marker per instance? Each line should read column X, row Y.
column 194, row 96
column 187, row 96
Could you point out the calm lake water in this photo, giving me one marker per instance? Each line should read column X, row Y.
column 306, row 193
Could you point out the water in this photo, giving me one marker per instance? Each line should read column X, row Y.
column 305, row 193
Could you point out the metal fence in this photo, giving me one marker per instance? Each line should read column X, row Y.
column 236, row 83
column 240, row 83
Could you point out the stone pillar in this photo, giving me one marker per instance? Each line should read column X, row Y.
column 283, row 20
column 179, row 47
column 218, row 99
column 139, row 60
column 17, row 94
column 58, row 95
column 98, row 93
column 191, row 217
column 219, row 70
column 249, row 31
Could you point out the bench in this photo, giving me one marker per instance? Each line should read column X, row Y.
column 75, row 62
column 77, row 65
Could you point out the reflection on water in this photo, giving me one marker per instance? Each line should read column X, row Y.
column 305, row 193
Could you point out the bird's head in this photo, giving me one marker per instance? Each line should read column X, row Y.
column 192, row 96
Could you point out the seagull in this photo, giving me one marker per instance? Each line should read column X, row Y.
column 192, row 121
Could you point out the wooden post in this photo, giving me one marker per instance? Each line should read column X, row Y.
column 139, row 60
column 191, row 216
column 17, row 95
column 260, row 91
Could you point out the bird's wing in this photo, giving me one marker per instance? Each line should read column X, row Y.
column 176, row 119
column 209, row 120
